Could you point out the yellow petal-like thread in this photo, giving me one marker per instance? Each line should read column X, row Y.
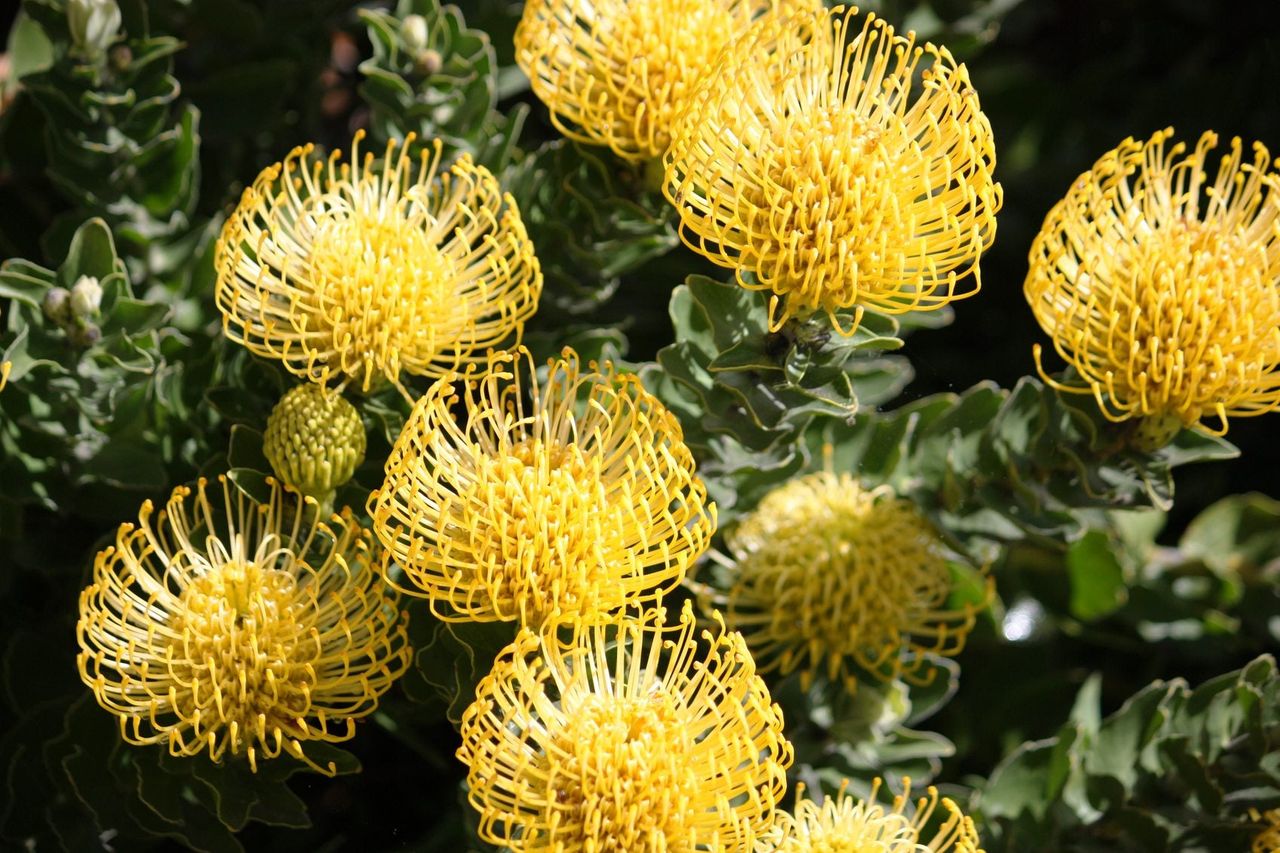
column 815, row 165
column 5, row 367
column 1268, row 840
column 625, row 737
column 314, row 440
column 359, row 271
column 846, row 824
column 828, row 573
column 230, row 627
column 576, row 501
column 617, row 72
column 1161, row 286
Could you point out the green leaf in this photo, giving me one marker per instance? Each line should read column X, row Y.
column 1097, row 578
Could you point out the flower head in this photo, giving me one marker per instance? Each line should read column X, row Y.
column 828, row 573
column 576, row 501
column 627, row 736
column 228, row 626
column 314, row 440
column 813, row 165
column 363, row 271
column 617, row 72
column 846, row 823
column 1162, row 289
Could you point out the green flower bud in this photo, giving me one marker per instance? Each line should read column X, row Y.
column 93, row 25
column 84, row 335
column 57, row 305
column 314, row 440
column 86, row 297
column 413, row 32
column 429, row 62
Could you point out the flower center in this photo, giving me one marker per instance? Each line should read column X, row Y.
column 618, row 774
column 545, row 529
column 237, row 642
column 387, row 292
column 833, row 179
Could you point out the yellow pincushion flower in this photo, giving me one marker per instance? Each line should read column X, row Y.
column 314, row 440
column 231, row 627
column 846, row 824
column 1161, row 288
column 359, row 271
column 617, row 72
column 827, row 573
column 577, row 501
column 813, row 165
column 1268, row 840
column 625, row 737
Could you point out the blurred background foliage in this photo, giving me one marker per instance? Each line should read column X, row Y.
column 1125, row 582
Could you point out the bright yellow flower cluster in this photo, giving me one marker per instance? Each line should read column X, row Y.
column 1161, row 286
column 838, row 166
column 362, row 271
column 617, row 72
column 226, row 626
column 828, row 573
column 843, row 824
column 574, row 503
column 624, row 737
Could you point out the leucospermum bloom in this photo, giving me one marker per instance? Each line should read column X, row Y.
column 623, row 737
column 359, row 271
column 812, row 165
column 844, row 822
column 225, row 626
column 1162, row 288
column 828, row 573
column 314, row 440
column 576, row 501
column 617, row 72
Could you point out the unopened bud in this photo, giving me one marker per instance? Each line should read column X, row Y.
column 86, row 297
column 429, row 63
column 413, row 32
column 314, row 440
column 57, row 305
column 120, row 57
column 93, row 25
column 85, row 335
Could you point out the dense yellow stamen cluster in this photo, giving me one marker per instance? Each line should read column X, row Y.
column 314, row 440
column 625, row 737
column 357, row 271
column 227, row 626
column 846, row 824
column 1162, row 289
column 576, row 501
column 814, row 165
column 827, row 572
column 617, row 72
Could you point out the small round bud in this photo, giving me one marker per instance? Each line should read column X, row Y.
column 429, row 62
column 93, row 25
column 120, row 57
column 84, row 335
column 413, row 32
column 57, row 305
column 86, row 297
column 314, row 440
